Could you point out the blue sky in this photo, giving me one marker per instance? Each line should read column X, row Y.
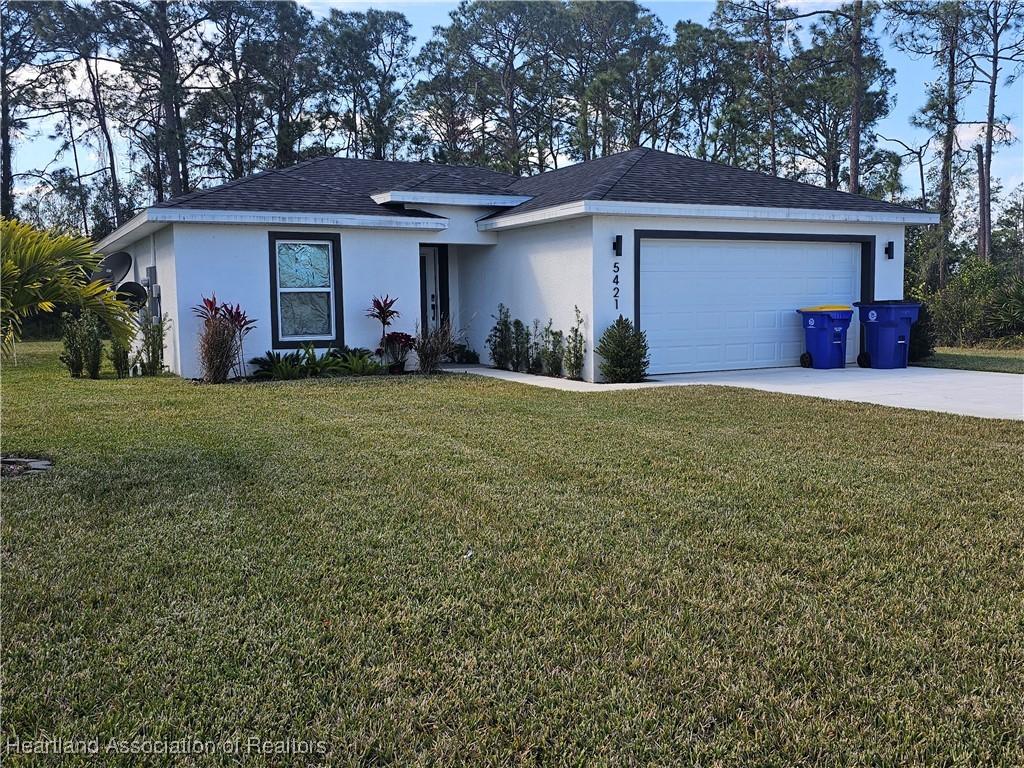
column 911, row 75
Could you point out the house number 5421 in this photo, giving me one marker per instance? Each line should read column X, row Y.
column 615, row 283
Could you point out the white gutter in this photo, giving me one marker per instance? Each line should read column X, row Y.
column 620, row 208
column 153, row 218
column 450, row 198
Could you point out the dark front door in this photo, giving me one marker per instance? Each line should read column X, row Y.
column 433, row 285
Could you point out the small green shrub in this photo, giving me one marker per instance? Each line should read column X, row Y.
column 624, row 352
column 463, row 355
column 520, row 346
column 499, row 340
column 357, row 364
column 92, row 345
column 316, row 366
column 151, row 355
column 71, row 337
column 345, row 350
column 552, row 350
column 535, row 352
column 120, row 358
column 575, row 349
column 274, row 366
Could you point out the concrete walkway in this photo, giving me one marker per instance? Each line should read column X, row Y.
column 969, row 393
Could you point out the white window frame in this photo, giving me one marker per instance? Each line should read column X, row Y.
column 329, row 288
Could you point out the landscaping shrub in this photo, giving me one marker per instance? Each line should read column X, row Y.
column 394, row 350
column 575, row 349
column 433, row 345
column 218, row 350
column 383, row 311
column 360, row 364
column 151, row 355
column 71, row 337
column 624, row 353
column 552, row 350
column 535, row 353
column 520, row 346
column 315, row 366
column 463, row 355
column 92, row 345
column 275, row 366
column 499, row 340
column 210, row 311
column 344, row 350
column 120, row 358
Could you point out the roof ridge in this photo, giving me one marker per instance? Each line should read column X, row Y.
column 644, row 151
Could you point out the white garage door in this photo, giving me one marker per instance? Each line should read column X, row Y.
column 711, row 305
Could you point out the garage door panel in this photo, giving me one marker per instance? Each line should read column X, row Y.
column 716, row 305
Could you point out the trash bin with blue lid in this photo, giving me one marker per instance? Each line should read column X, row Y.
column 886, row 328
column 825, row 333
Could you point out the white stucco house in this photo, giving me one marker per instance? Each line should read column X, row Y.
column 711, row 261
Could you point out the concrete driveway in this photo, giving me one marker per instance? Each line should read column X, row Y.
column 969, row 393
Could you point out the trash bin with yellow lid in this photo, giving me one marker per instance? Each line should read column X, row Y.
column 825, row 329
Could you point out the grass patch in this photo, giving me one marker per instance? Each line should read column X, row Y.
column 977, row 359
column 463, row 570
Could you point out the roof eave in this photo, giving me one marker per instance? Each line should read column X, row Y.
column 163, row 216
column 623, row 208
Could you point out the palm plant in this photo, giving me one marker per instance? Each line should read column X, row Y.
column 41, row 271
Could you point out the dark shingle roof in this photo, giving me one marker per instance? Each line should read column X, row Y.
column 340, row 185
column 344, row 185
column 652, row 176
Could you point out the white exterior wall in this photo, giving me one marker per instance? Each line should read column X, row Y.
column 233, row 261
column 538, row 272
column 157, row 250
column 888, row 272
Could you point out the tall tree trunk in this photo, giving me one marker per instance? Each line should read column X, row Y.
column 985, row 202
column 108, row 143
column 7, row 190
column 78, row 166
column 920, row 173
column 773, row 125
column 950, row 121
column 168, row 81
column 857, row 83
column 983, row 224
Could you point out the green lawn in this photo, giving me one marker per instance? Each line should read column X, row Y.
column 977, row 359
column 460, row 570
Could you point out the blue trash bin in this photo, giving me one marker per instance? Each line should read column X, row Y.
column 886, row 328
column 825, row 333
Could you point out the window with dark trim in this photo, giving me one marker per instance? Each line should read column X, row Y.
column 305, row 289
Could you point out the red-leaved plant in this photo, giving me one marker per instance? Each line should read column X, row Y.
column 383, row 311
column 223, row 321
column 394, row 350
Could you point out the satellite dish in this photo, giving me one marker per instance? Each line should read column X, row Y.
column 113, row 268
column 133, row 294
